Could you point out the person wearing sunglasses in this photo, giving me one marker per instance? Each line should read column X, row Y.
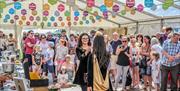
column 122, row 62
column 29, row 45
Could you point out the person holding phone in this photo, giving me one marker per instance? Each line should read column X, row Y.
column 122, row 62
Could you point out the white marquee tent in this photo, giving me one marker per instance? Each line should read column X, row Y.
column 147, row 21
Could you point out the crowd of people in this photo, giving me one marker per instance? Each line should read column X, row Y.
column 98, row 63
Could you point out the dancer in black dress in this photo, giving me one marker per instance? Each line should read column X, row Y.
column 82, row 51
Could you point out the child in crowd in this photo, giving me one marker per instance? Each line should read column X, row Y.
column 48, row 66
column 37, row 58
column 63, row 76
column 155, row 58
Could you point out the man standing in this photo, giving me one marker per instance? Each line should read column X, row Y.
column 170, row 62
column 29, row 45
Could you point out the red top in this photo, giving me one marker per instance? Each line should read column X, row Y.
column 29, row 50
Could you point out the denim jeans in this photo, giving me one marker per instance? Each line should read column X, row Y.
column 164, row 77
column 121, row 71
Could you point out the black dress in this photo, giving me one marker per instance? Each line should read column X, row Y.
column 103, row 71
column 79, row 77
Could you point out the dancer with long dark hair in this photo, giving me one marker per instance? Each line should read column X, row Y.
column 98, row 66
column 82, row 51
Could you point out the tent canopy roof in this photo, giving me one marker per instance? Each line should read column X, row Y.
column 147, row 14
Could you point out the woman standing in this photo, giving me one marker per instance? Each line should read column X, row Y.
column 82, row 51
column 98, row 67
column 134, row 55
column 145, row 54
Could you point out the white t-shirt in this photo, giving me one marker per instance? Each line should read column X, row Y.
column 49, row 54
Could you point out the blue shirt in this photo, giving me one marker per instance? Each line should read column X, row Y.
column 172, row 49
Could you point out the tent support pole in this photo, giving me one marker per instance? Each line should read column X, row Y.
column 119, row 25
column 137, row 27
column 162, row 23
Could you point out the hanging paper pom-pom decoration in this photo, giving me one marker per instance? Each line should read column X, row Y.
column 23, row 12
column 46, row 7
column 67, row 13
column 16, row 17
column 52, row 18
column 123, row 12
column 167, row 4
column 49, row 24
column 17, row 5
column 105, row 14
column 148, row 3
column 113, row 14
column 45, row 13
column 76, row 13
column 11, row 11
column 23, row 18
column 70, row 2
column 62, row 24
column 61, row 7
column 98, row 17
column 45, row 18
column 140, row 8
column 5, row 20
column 83, row 18
column 130, row 3
column 108, row 3
column 76, row 18
column 85, row 13
column 32, row 6
column 34, row 23
column 52, row 2
column 34, row 12
column 20, row 22
column 55, row 24
column 60, row 18
column 133, row 11
column 89, row 9
column 11, row 21
column 75, row 23
column 28, row 23
column 81, row 22
column 38, row 18
column 7, row 16
column 69, row 23
column 154, row 7
column 87, row 21
column 15, row 0
column 2, row 4
column 103, row 8
column 91, row 17
column 56, row 13
column 115, row 8
column 75, row 8
column 31, row 18
column 90, row 3
column 68, row 18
